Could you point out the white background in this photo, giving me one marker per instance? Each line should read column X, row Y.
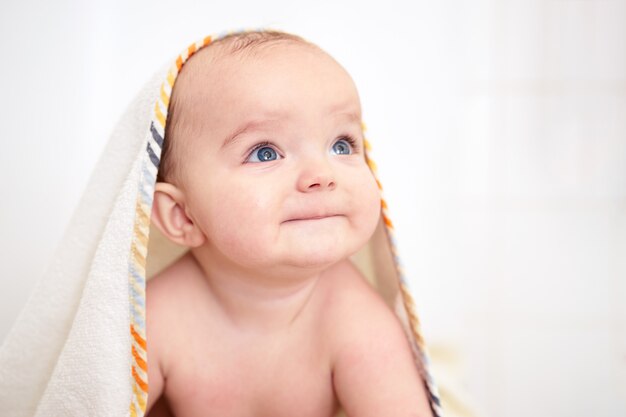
column 499, row 128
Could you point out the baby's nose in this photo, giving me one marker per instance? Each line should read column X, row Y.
column 316, row 176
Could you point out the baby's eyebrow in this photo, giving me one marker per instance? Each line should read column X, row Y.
column 249, row 126
column 351, row 116
column 347, row 110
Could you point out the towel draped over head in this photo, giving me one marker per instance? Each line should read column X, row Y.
column 79, row 345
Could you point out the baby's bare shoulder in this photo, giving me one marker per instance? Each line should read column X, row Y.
column 169, row 286
column 373, row 369
column 355, row 310
column 171, row 297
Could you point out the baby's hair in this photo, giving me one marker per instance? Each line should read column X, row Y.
column 242, row 44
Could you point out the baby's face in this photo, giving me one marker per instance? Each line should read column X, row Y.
column 275, row 173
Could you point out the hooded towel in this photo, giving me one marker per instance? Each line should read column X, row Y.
column 79, row 345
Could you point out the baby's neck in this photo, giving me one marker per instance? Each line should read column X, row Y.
column 257, row 303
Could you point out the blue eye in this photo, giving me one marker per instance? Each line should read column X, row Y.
column 263, row 154
column 342, row 147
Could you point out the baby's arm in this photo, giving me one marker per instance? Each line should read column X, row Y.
column 374, row 373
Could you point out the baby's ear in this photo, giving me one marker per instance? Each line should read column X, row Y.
column 169, row 216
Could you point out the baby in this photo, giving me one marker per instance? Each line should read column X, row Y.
column 264, row 178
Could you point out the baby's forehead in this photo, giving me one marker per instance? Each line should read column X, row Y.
column 218, row 60
column 218, row 78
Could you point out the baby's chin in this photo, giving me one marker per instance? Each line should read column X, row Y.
column 321, row 256
column 314, row 262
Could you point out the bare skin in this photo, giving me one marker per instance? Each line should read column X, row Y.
column 266, row 316
column 341, row 344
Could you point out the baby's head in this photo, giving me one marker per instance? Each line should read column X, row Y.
column 263, row 162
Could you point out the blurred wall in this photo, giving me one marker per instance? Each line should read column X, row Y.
column 499, row 128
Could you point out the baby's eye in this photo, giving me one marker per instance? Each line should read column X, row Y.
column 342, row 147
column 263, row 154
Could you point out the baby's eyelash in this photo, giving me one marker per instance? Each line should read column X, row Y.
column 353, row 143
column 256, row 148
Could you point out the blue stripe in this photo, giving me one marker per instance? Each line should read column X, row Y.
column 138, row 320
column 156, row 136
column 153, row 157
column 148, row 175
column 146, row 198
column 139, row 279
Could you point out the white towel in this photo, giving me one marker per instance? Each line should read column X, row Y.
column 78, row 347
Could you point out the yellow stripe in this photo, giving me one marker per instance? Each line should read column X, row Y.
column 372, row 165
column 139, row 258
column 170, row 79
column 140, row 398
column 141, row 236
column 141, row 269
column 164, row 97
column 141, row 215
column 133, row 412
column 413, row 320
column 159, row 115
column 141, row 224
column 146, row 210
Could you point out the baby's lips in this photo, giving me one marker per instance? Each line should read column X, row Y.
column 312, row 215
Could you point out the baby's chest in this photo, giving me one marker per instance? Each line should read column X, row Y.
column 253, row 383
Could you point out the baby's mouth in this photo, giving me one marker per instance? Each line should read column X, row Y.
column 312, row 217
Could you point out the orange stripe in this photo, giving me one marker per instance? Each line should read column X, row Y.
column 142, row 364
column 387, row 221
column 206, row 41
column 137, row 337
column 191, row 50
column 383, row 203
column 142, row 384
column 179, row 62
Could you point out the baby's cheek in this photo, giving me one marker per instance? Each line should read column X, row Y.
column 245, row 215
column 368, row 202
column 373, row 193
